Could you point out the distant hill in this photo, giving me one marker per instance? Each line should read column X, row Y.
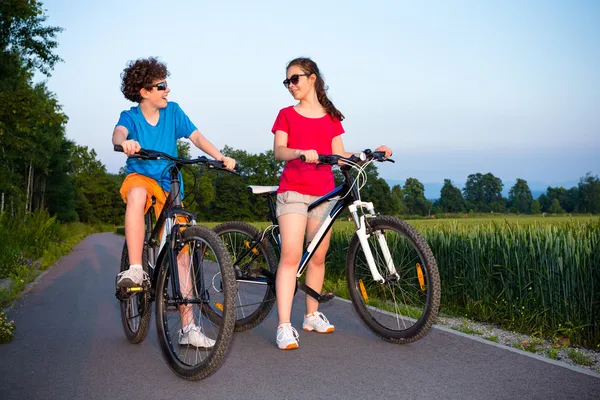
column 432, row 190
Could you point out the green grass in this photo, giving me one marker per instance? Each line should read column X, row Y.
column 464, row 328
column 579, row 358
column 492, row 338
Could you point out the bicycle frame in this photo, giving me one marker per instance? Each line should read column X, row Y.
column 348, row 196
column 164, row 245
column 161, row 235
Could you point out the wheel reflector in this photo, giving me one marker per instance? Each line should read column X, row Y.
column 361, row 285
column 420, row 277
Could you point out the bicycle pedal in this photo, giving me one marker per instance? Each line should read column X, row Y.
column 134, row 289
column 326, row 297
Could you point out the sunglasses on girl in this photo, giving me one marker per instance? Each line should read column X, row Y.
column 160, row 85
column 293, row 80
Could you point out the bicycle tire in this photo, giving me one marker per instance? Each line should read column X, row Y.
column 404, row 317
column 254, row 301
column 135, row 330
column 207, row 251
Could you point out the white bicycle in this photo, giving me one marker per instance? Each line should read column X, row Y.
column 392, row 275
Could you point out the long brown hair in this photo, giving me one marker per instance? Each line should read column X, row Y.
column 310, row 67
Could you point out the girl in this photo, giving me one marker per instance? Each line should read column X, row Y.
column 311, row 127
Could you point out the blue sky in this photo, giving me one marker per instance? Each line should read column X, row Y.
column 454, row 87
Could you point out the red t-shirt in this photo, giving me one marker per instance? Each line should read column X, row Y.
column 305, row 134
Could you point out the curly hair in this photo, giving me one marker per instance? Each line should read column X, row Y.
column 310, row 67
column 141, row 74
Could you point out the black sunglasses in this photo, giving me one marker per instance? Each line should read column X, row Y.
column 160, row 86
column 293, row 79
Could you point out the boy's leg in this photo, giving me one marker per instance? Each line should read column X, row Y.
column 190, row 334
column 185, row 285
column 134, row 235
column 134, row 223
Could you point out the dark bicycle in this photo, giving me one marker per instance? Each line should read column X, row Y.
column 391, row 273
column 185, row 262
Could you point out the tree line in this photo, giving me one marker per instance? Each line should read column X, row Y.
column 40, row 169
column 483, row 193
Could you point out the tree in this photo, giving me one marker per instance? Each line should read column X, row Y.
column 23, row 32
column 555, row 208
column 535, row 207
column 589, row 192
column 519, row 197
column 414, row 197
column 451, row 198
column 61, row 192
column 567, row 199
column 398, row 200
column 97, row 197
column 484, row 193
column 379, row 194
column 31, row 123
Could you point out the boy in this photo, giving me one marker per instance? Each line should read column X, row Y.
column 155, row 124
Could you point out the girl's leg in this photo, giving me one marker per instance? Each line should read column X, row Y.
column 315, row 274
column 134, row 223
column 291, row 227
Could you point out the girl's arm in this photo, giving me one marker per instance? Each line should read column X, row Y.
column 206, row 146
column 283, row 153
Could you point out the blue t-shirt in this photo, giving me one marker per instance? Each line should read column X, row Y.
column 172, row 124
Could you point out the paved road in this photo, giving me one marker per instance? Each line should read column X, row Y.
column 70, row 345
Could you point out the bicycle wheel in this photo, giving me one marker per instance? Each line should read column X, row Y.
column 202, row 256
column 403, row 308
column 135, row 307
column 255, row 294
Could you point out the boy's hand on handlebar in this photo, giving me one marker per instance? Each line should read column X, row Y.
column 385, row 149
column 310, row 156
column 130, row 147
column 228, row 163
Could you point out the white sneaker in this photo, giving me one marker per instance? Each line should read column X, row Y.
column 194, row 337
column 132, row 277
column 287, row 337
column 317, row 322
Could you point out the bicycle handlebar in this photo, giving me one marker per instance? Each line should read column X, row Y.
column 145, row 154
column 332, row 159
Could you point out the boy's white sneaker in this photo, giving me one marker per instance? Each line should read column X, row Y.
column 133, row 276
column 317, row 322
column 194, row 336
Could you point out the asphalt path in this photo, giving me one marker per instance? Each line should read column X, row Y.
column 69, row 345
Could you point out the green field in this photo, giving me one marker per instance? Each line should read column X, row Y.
column 469, row 221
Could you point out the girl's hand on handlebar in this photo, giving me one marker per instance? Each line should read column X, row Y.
column 310, row 156
column 228, row 163
column 387, row 150
column 130, row 147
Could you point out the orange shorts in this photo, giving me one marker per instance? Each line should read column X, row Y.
column 152, row 188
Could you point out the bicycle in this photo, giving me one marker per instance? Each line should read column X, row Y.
column 391, row 273
column 178, row 256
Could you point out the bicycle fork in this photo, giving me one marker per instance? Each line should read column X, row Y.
column 361, row 232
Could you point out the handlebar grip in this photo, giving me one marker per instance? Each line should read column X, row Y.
column 118, row 147
column 302, row 157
